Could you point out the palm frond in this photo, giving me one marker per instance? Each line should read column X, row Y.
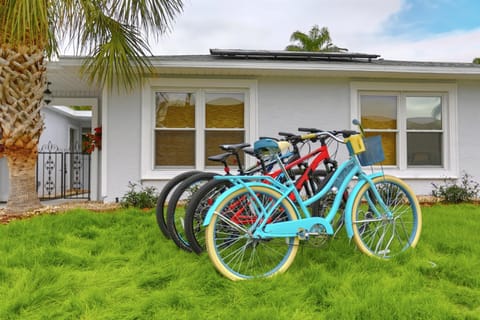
column 24, row 23
column 119, row 62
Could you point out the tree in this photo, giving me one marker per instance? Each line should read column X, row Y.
column 111, row 33
column 476, row 60
column 316, row 40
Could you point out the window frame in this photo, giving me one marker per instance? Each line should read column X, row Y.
column 199, row 87
column 448, row 91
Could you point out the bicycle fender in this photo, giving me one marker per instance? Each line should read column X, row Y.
column 351, row 199
column 211, row 210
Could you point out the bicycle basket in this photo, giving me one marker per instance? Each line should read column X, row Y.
column 373, row 153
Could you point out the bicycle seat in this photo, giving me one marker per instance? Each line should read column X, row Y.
column 266, row 147
column 234, row 147
column 220, row 157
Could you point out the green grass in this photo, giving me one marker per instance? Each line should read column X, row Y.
column 84, row 265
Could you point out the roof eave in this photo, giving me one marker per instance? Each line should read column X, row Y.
column 269, row 68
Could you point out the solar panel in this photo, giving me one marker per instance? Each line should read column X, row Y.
column 298, row 55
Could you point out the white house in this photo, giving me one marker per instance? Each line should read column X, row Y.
column 427, row 112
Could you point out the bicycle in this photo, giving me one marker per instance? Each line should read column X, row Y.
column 382, row 214
column 310, row 179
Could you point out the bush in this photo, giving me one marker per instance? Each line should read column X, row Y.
column 465, row 191
column 145, row 197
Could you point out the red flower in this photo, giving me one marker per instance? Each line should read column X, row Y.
column 91, row 141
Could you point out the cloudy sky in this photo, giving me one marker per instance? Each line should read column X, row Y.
column 424, row 30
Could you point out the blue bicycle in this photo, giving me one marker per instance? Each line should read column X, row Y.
column 382, row 213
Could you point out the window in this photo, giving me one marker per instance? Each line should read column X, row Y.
column 416, row 122
column 224, row 121
column 174, row 129
column 379, row 116
column 424, row 130
column 189, row 119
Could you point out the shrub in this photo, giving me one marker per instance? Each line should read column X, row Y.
column 145, row 197
column 464, row 191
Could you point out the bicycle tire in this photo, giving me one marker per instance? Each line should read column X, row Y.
column 232, row 249
column 160, row 212
column 383, row 236
column 205, row 196
column 197, row 209
column 176, row 212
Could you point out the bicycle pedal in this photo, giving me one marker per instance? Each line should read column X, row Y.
column 302, row 234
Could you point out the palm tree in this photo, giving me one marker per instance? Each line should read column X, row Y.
column 316, row 40
column 111, row 33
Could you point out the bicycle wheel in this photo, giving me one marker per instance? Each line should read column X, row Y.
column 177, row 206
column 196, row 210
column 234, row 251
column 383, row 235
column 161, row 212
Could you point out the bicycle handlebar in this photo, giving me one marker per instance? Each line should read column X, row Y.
column 317, row 133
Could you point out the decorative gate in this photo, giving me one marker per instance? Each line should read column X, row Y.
column 62, row 174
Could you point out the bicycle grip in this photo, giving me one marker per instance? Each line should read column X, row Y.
column 309, row 130
column 309, row 136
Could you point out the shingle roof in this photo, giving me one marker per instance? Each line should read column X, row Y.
column 315, row 58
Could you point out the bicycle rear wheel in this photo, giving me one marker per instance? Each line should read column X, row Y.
column 179, row 202
column 383, row 235
column 196, row 210
column 234, row 251
column 161, row 212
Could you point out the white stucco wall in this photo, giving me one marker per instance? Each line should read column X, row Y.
column 283, row 104
column 56, row 129
column 469, row 127
column 286, row 104
column 122, row 150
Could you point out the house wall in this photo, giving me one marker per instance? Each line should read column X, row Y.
column 57, row 128
column 122, row 120
column 284, row 104
column 468, row 127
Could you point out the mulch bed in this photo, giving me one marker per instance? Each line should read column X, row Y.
column 95, row 206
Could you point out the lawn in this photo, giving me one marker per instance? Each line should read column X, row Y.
column 117, row 265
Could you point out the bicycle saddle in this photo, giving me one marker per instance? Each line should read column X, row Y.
column 267, row 147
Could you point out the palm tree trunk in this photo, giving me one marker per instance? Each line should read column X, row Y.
column 23, row 192
column 22, row 81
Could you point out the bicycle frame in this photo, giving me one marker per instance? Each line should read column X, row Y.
column 341, row 179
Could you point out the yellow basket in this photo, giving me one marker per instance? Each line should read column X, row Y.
column 355, row 143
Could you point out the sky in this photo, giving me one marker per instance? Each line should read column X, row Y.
column 414, row 30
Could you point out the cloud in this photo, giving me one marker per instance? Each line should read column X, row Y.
column 361, row 26
column 268, row 24
column 453, row 47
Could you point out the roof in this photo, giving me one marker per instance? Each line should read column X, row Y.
column 264, row 63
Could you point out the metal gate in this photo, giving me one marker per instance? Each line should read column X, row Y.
column 62, row 174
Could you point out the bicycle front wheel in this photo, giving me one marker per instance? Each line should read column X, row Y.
column 230, row 243
column 386, row 233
